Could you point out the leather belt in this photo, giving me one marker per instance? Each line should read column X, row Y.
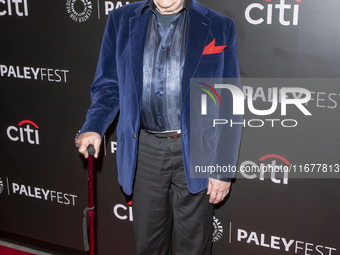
column 174, row 136
column 166, row 134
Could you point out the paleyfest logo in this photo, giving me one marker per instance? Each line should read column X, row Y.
column 1, row 186
column 79, row 10
column 238, row 104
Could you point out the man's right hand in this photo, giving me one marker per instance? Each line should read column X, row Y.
column 87, row 138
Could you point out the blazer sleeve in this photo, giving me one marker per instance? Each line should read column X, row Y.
column 229, row 139
column 104, row 89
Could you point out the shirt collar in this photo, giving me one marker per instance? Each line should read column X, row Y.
column 150, row 4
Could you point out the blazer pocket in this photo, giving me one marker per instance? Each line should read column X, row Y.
column 212, row 57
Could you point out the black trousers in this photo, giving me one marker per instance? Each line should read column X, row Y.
column 162, row 202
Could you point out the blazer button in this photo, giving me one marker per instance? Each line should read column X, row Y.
column 134, row 136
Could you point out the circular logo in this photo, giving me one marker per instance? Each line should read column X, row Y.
column 79, row 10
column 218, row 230
column 1, row 186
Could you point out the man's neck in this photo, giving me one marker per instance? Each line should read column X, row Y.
column 169, row 9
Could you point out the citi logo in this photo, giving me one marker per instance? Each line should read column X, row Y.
column 268, row 12
column 251, row 170
column 27, row 131
column 123, row 212
column 13, row 7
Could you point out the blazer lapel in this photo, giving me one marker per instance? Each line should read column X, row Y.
column 198, row 31
column 138, row 27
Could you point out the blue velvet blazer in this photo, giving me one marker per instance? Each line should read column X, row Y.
column 119, row 80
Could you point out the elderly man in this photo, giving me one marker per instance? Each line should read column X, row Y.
column 149, row 52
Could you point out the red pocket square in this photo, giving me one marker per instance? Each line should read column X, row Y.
column 212, row 49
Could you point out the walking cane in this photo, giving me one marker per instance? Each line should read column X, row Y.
column 89, row 244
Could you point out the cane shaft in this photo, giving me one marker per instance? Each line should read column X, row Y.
column 91, row 204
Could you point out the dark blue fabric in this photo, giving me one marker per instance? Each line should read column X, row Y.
column 119, row 78
column 162, row 69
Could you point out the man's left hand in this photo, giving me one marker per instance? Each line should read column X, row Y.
column 217, row 190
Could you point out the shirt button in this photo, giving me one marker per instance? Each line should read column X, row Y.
column 134, row 136
column 158, row 93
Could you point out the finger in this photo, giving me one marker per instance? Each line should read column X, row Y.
column 226, row 192
column 96, row 143
column 78, row 142
column 83, row 150
column 81, row 147
column 209, row 188
column 97, row 148
column 212, row 197
column 223, row 195
column 219, row 198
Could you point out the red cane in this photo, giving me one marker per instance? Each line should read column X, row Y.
column 91, row 152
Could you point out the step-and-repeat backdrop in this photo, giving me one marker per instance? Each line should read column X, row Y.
column 48, row 55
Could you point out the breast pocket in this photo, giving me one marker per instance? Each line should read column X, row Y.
column 211, row 66
column 212, row 57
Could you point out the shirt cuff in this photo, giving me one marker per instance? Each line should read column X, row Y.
column 220, row 177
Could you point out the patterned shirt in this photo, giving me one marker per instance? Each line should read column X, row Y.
column 163, row 62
